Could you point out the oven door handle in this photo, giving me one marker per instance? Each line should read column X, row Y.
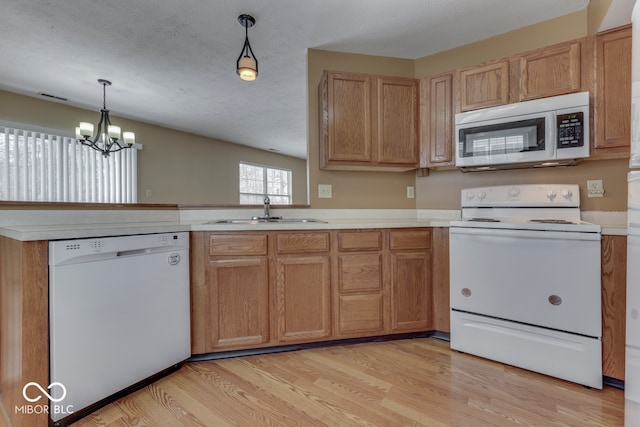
column 501, row 232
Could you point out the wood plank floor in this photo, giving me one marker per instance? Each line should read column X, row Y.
column 418, row 382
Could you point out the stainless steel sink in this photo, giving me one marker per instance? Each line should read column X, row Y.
column 271, row 220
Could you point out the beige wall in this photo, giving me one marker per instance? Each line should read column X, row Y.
column 174, row 167
column 557, row 30
column 441, row 189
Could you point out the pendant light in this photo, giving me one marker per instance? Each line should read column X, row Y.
column 108, row 138
column 247, row 64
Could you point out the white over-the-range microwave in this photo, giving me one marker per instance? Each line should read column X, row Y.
column 544, row 132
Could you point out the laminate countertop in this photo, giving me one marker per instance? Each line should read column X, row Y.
column 73, row 225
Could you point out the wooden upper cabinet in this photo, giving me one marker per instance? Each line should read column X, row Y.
column 345, row 118
column 368, row 122
column 550, row 71
column 612, row 101
column 397, row 119
column 484, row 85
column 437, row 137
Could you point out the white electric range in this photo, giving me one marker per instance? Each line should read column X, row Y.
column 525, row 281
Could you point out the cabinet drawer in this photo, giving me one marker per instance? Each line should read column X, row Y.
column 410, row 239
column 360, row 272
column 359, row 241
column 361, row 314
column 302, row 242
column 237, row 244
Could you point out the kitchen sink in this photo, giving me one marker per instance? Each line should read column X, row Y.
column 270, row 220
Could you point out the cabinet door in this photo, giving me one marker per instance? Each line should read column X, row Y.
column 437, row 121
column 238, row 306
column 484, row 85
column 345, row 122
column 397, row 118
column 410, row 287
column 612, row 118
column 411, row 307
column 551, row 71
column 303, row 298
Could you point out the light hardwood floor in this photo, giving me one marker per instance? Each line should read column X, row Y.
column 418, row 382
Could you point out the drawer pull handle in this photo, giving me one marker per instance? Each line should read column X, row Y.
column 466, row 292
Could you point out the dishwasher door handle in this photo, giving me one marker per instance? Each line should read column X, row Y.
column 133, row 252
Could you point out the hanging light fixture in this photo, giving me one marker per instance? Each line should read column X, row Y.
column 108, row 138
column 247, row 64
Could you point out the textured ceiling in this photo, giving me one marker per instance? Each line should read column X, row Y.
column 173, row 62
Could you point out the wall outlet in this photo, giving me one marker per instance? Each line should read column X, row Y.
column 325, row 191
column 595, row 188
column 411, row 192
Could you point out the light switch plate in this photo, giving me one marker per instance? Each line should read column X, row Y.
column 325, row 191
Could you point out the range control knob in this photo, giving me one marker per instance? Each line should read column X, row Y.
column 567, row 194
column 514, row 192
column 482, row 195
column 470, row 195
column 551, row 194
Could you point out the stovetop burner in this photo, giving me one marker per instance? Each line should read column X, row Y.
column 551, row 221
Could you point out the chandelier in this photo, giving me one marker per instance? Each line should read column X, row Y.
column 247, row 64
column 108, row 138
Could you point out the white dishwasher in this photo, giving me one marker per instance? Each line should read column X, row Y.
column 118, row 314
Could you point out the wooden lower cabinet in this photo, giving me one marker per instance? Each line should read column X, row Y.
column 411, row 292
column 253, row 289
column 238, row 303
column 303, row 299
column 359, row 292
column 410, row 284
column 614, row 301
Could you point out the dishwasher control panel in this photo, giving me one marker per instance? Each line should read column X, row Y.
column 65, row 251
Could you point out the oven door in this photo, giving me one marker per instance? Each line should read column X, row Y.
column 543, row 278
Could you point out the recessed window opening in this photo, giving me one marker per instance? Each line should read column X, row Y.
column 257, row 181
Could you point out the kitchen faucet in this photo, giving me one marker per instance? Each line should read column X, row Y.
column 266, row 202
column 267, row 211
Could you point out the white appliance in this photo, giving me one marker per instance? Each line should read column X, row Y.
column 632, row 354
column 525, row 281
column 119, row 313
column 544, row 132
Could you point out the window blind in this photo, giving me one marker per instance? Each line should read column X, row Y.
column 40, row 166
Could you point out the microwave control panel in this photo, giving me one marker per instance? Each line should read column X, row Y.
column 570, row 130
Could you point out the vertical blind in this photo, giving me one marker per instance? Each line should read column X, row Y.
column 39, row 166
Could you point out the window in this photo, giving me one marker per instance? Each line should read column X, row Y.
column 256, row 181
column 44, row 167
